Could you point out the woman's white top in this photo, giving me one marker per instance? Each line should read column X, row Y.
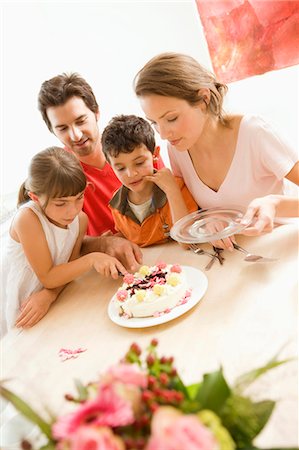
column 18, row 278
column 260, row 163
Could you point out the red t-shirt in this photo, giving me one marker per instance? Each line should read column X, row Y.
column 103, row 184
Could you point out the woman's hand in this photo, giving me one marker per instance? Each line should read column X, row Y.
column 260, row 214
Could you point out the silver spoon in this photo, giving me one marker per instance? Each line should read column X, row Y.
column 253, row 258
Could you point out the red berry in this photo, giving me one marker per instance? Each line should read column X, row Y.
column 150, row 359
column 147, row 395
column 135, row 349
column 164, row 378
column 154, row 342
column 154, row 406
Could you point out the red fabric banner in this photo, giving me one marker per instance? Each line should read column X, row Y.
column 250, row 37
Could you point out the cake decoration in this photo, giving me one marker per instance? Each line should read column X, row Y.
column 152, row 291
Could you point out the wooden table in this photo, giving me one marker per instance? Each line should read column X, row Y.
column 247, row 314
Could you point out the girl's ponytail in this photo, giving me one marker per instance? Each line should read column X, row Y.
column 23, row 196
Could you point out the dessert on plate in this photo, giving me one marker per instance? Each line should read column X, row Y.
column 152, row 291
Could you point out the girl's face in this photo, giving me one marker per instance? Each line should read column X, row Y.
column 63, row 210
column 177, row 121
column 131, row 168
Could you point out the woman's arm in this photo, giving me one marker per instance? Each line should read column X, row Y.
column 262, row 211
column 293, row 175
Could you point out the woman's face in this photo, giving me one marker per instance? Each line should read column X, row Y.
column 177, row 121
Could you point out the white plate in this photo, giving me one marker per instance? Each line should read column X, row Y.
column 207, row 225
column 196, row 280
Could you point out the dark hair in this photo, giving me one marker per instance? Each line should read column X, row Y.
column 53, row 172
column 58, row 90
column 181, row 76
column 124, row 133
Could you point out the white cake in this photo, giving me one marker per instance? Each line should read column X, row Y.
column 152, row 291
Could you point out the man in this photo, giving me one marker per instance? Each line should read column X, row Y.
column 70, row 110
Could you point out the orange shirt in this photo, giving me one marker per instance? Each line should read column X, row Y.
column 156, row 226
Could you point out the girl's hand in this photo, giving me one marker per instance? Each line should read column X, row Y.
column 35, row 308
column 107, row 265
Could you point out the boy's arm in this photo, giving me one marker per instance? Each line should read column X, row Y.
column 167, row 182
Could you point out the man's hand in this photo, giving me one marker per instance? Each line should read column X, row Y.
column 36, row 307
column 128, row 253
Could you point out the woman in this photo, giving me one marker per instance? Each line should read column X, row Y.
column 224, row 159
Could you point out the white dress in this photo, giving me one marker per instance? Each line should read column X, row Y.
column 18, row 280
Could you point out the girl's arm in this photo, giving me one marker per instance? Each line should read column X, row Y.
column 37, row 305
column 30, row 234
column 83, row 222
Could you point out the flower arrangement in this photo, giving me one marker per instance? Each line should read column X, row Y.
column 142, row 403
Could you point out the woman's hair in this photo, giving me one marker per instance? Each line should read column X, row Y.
column 55, row 173
column 125, row 133
column 58, row 90
column 181, row 76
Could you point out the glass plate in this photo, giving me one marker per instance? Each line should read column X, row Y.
column 208, row 225
column 196, row 280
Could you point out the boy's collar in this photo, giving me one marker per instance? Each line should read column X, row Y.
column 120, row 201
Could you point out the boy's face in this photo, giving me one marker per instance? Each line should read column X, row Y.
column 131, row 168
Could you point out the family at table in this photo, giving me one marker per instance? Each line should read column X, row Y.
column 95, row 202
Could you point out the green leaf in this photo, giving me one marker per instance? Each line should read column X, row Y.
column 246, row 379
column 178, row 385
column 263, row 411
column 81, row 389
column 49, row 446
column 192, row 390
column 213, row 391
column 245, row 419
column 26, row 410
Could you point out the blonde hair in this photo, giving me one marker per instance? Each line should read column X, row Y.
column 181, row 76
column 53, row 172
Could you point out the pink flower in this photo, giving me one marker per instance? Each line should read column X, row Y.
column 127, row 374
column 171, row 430
column 176, row 268
column 161, row 265
column 107, row 409
column 128, row 278
column 122, row 295
column 92, row 438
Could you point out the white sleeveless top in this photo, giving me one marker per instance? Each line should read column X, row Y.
column 18, row 280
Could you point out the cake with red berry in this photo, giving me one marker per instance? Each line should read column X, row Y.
column 152, row 291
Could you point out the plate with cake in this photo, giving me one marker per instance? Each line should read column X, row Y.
column 156, row 295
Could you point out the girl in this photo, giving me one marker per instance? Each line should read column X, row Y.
column 45, row 237
column 224, row 160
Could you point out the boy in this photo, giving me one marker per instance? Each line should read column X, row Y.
column 149, row 201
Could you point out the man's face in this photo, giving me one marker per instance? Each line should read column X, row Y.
column 75, row 125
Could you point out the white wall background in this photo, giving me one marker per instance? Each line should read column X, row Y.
column 107, row 43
